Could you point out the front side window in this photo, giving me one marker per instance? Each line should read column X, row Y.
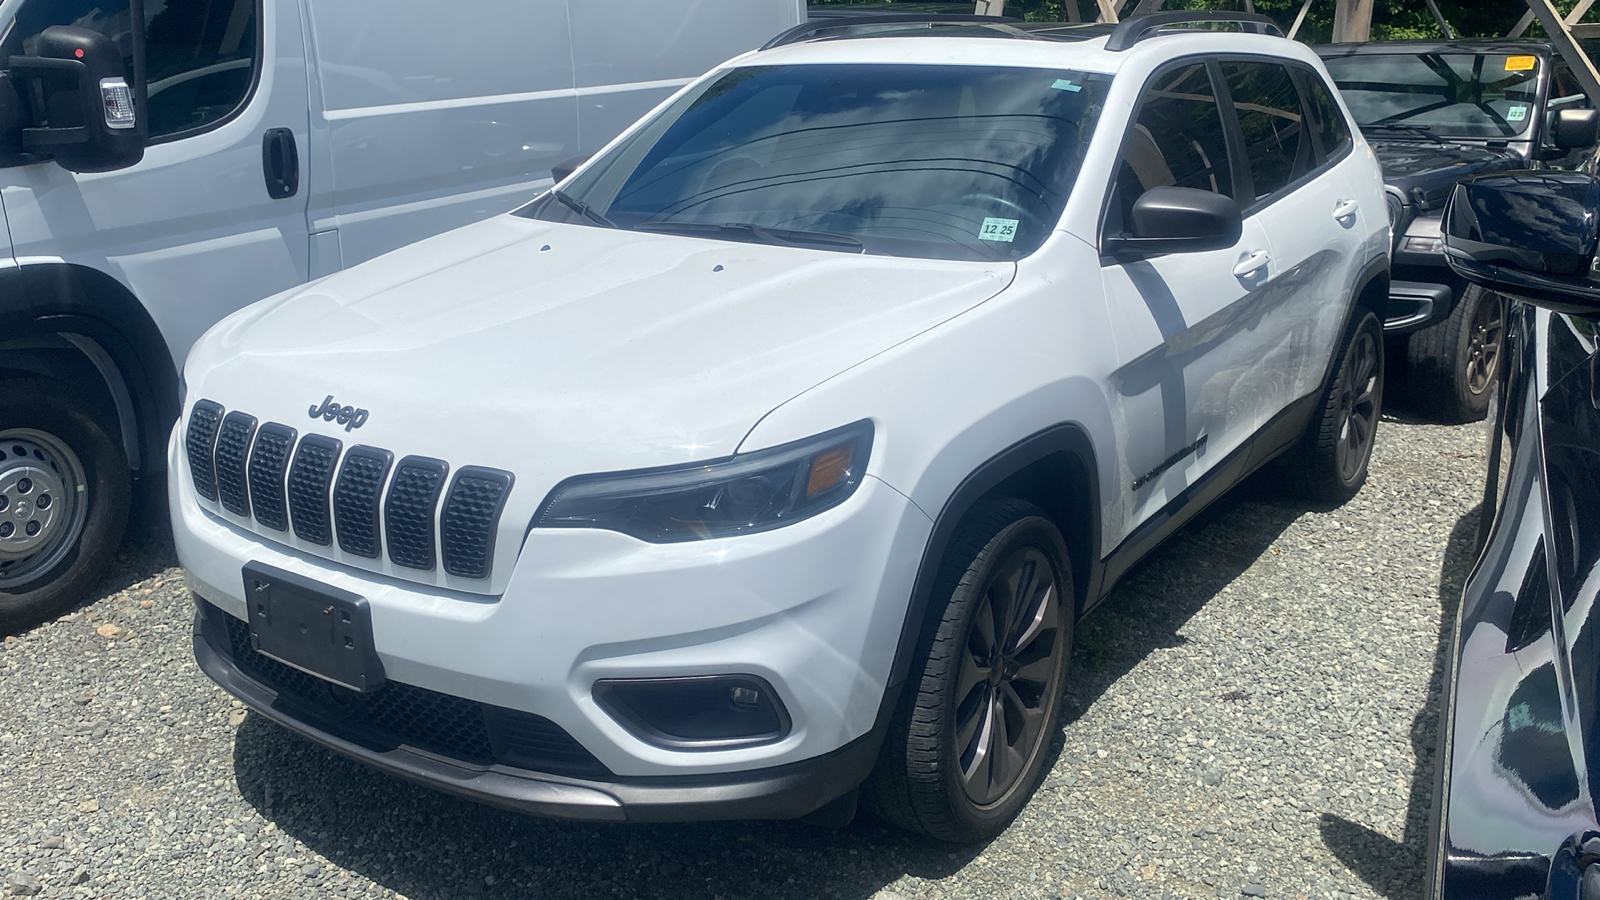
column 930, row 161
column 200, row 55
column 1270, row 118
column 1178, row 140
column 1474, row 95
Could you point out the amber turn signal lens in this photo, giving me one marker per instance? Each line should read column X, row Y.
column 829, row 469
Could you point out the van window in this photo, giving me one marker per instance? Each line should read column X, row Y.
column 201, row 55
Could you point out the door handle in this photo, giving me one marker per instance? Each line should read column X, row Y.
column 1345, row 209
column 280, row 163
column 1255, row 262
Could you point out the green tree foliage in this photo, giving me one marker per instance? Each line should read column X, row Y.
column 1392, row 20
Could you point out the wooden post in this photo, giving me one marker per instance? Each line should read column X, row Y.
column 1560, row 33
column 991, row 8
column 1108, row 11
column 1352, row 21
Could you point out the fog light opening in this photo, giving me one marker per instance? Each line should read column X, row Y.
column 708, row 712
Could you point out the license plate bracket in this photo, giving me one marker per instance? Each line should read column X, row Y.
column 318, row 629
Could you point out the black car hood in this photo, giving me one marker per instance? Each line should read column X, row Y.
column 1414, row 165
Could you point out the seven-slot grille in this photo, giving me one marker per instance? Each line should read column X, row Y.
column 324, row 492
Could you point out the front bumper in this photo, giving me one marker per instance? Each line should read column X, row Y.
column 780, row 792
column 814, row 609
column 1415, row 305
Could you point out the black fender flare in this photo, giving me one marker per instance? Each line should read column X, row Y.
column 108, row 325
column 1067, row 438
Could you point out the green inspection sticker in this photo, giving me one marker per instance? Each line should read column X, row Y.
column 1516, row 113
column 998, row 230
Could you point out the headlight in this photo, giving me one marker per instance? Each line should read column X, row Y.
column 740, row 495
column 1424, row 235
column 1396, row 207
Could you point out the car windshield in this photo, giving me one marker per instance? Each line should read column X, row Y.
column 931, row 161
column 1478, row 95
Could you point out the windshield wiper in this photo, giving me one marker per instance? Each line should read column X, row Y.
column 582, row 209
column 787, row 237
column 1408, row 129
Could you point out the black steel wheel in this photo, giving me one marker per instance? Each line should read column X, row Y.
column 1452, row 366
column 1331, row 462
column 968, row 745
column 65, row 490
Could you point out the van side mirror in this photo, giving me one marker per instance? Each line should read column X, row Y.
column 561, row 170
column 1531, row 236
column 84, row 112
column 1575, row 129
column 1178, row 220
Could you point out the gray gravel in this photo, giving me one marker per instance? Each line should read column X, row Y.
column 1252, row 715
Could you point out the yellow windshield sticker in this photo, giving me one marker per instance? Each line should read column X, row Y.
column 1520, row 63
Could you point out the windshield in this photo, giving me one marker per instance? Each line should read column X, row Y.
column 948, row 162
column 1480, row 95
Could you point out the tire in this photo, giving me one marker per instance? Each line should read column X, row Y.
column 936, row 774
column 1330, row 465
column 1453, row 364
column 64, row 495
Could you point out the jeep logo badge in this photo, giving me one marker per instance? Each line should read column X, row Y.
column 348, row 416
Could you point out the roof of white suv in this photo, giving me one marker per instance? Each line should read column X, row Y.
column 914, row 41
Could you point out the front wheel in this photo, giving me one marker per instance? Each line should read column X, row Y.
column 64, row 496
column 1454, row 363
column 967, row 748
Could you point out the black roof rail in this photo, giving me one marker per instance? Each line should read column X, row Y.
column 807, row 30
column 1131, row 31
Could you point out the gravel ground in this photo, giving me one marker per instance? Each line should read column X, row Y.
column 1252, row 714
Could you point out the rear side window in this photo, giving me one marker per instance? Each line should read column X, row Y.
column 1177, row 140
column 1273, row 124
column 201, row 55
column 1327, row 122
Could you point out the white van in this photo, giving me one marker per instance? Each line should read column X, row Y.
column 154, row 179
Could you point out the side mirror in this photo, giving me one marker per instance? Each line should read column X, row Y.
column 1178, row 220
column 561, row 170
column 84, row 111
column 1531, row 236
column 1575, row 129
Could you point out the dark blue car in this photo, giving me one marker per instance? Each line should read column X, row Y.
column 1516, row 810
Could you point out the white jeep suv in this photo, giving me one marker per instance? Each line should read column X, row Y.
column 768, row 461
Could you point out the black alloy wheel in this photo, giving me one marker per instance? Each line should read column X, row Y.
column 1484, row 340
column 1451, row 367
column 1358, row 406
column 968, row 745
column 1009, row 669
column 1330, row 464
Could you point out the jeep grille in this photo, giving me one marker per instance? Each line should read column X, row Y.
column 358, row 497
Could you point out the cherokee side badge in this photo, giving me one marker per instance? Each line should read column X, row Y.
column 348, row 416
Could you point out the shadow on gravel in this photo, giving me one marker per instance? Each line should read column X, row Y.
column 1395, row 869
column 1153, row 602
column 428, row 845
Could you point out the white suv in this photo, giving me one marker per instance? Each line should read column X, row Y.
column 775, row 453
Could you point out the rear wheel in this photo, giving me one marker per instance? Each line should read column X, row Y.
column 1453, row 364
column 64, row 495
column 1331, row 462
column 967, row 749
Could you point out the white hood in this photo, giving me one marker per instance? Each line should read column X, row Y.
column 554, row 350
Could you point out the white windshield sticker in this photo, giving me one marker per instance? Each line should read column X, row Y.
column 998, row 230
column 1065, row 84
column 1516, row 113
